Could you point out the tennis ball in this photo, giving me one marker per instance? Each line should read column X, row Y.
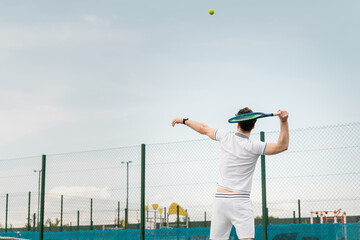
column 211, row 11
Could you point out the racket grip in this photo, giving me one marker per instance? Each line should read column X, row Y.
column 275, row 114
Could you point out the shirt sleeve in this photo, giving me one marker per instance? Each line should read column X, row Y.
column 220, row 134
column 259, row 147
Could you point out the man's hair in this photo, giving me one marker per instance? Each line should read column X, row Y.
column 248, row 125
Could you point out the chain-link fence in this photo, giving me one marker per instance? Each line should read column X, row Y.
column 93, row 190
column 181, row 174
column 19, row 189
column 312, row 190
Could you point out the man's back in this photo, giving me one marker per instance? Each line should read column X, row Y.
column 238, row 160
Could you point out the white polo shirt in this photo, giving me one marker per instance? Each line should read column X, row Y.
column 238, row 160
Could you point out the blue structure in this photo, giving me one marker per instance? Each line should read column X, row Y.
column 328, row 231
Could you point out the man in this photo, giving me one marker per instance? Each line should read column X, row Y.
column 239, row 154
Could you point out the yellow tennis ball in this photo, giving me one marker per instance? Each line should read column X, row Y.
column 211, row 11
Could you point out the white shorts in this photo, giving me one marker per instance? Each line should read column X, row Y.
column 232, row 209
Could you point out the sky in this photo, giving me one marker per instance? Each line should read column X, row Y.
column 82, row 75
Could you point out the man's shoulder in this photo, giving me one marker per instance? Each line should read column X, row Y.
column 221, row 134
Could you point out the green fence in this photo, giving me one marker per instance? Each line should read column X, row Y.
column 101, row 190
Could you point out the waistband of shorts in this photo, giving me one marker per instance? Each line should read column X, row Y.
column 232, row 195
column 232, row 189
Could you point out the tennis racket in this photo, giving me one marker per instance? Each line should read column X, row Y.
column 251, row 116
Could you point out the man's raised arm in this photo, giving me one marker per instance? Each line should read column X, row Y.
column 198, row 127
column 283, row 141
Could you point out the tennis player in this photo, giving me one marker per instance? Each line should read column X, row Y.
column 239, row 154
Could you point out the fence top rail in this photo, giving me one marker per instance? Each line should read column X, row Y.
column 19, row 158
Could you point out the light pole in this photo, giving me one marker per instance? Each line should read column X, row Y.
column 127, row 192
column 38, row 213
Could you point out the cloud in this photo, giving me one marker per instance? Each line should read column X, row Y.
column 82, row 191
column 63, row 34
column 92, row 19
column 22, row 116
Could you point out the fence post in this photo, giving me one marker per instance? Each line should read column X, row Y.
column 78, row 220
column 142, row 208
column 34, row 222
column 299, row 211
column 294, row 217
column 126, row 218
column 42, row 203
column 118, row 217
column 205, row 219
column 61, row 213
column 28, row 228
column 91, row 212
column 177, row 216
column 263, row 185
column 6, row 211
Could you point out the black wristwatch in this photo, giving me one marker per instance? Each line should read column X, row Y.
column 184, row 120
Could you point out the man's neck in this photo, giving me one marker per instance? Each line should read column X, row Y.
column 245, row 133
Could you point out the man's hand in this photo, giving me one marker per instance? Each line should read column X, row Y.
column 283, row 115
column 176, row 121
column 283, row 141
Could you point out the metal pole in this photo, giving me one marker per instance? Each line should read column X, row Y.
column 205, row 218
column 177, row 216
column 61, row 213
column 294, row 218
column 126, row 217
column 42, row 207
column 142, row 207
column 28, row 228
column 34, row 222
column 127, row 186
column 78, row 220
column 299, row 211
column 127, row 193
column 38, row 198
column 6, row 211
column 91, row 211
column 118, row 217
column 263, row 185
column 39, row 191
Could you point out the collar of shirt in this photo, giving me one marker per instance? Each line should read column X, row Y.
column 241, row 135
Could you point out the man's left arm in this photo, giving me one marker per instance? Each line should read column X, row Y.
column 197, row 126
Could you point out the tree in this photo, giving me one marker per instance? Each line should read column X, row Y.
column 260, row 217
column 52, row 224
column 26, row 224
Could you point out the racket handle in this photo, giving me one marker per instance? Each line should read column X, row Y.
column 275, row 114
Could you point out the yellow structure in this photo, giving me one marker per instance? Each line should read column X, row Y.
column 173, row 209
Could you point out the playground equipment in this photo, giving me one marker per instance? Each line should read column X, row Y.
column 329, row 215
column 156, row 219
column 175, row 209
column 334, row 215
